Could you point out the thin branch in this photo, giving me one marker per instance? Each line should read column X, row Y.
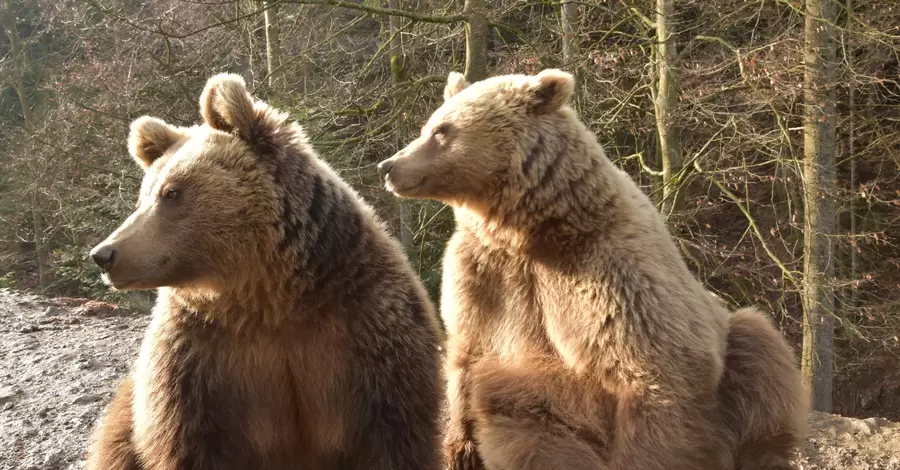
column 449, row 19
column 788, row 274
column 159, row 30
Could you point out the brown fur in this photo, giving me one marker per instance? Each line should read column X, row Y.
column 578, row 336
column 289, row 331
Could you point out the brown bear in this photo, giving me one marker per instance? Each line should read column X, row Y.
column 290, row 331
column 579, row 339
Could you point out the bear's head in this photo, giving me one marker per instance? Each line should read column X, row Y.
column 207, row 203
column 474, row 150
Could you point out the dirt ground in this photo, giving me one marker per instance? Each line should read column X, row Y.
column 61, row 358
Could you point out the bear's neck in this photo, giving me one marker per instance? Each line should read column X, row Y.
column 571, row 197
column 245, row 307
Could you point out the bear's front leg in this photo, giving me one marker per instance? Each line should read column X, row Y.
column 112, row 446
column 198, row 428
column 193, row 401
column 537, row 415
column 460, row 451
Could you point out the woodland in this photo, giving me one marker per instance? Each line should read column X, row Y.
column 767, row 131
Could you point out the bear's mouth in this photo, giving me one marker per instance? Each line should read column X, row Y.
column 114, row 284
column 392, row 187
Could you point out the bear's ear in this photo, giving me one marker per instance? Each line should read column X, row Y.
column 456, row 82
column 550, row 90
column 226, row 105
column 149, row 138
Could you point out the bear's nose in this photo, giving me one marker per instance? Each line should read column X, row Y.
column 104, row 256
column 385, row 167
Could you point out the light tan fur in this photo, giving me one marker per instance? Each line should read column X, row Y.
column 289, row 332
column 578, row 336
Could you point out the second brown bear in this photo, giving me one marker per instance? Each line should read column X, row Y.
column 579, row 339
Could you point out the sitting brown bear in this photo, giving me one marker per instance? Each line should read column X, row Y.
column 289, row 332
column 579, row 339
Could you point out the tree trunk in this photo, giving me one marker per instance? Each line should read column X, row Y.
column 273, row 47
column 398, row 75
column 19, row 57
column 819, row 173
column 568, row 21
column 37, row 224
column 476, row 40
column 37, row 219
column 248, row 28
column 851, row 160
column 667, row 103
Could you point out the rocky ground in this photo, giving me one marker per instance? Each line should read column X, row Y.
column 61, row 358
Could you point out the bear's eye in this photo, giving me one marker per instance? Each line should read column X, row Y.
column 170, row 194
column 442, row 132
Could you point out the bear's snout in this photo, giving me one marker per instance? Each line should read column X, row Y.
column 104, row 256
column 385, row 167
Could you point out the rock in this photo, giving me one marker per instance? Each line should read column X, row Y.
column 28, row 430
column 865, row 426
column 97, row 308
column 88, row 415
column 53, row 458
column 29, row 329
column 53, row 311
column 7, row 394
column 28, row 343
column 87, row 398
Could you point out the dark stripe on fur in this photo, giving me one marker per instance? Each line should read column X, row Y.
column 320, row 203
column 532, row 155
column 415, row 308
column 205, row 402
column 550, row 171
column 337, row 248
column 291, row 224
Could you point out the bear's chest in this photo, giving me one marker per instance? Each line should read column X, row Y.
column 191, row 384
column 512, row 320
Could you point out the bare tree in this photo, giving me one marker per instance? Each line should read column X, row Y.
column 820, row 224
column 398, row 76
column 476, row 40
column 853, row 298
column 274, row 70
column 568, row 21
column 666, row 104
column 21, row 66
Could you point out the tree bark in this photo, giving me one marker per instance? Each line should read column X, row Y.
column 37, row 224
column 667, row 104
column 851, row 161
column 398, row 75
column 820, row 224
column 476, row 40
column 273, row 47
column 568, row 21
